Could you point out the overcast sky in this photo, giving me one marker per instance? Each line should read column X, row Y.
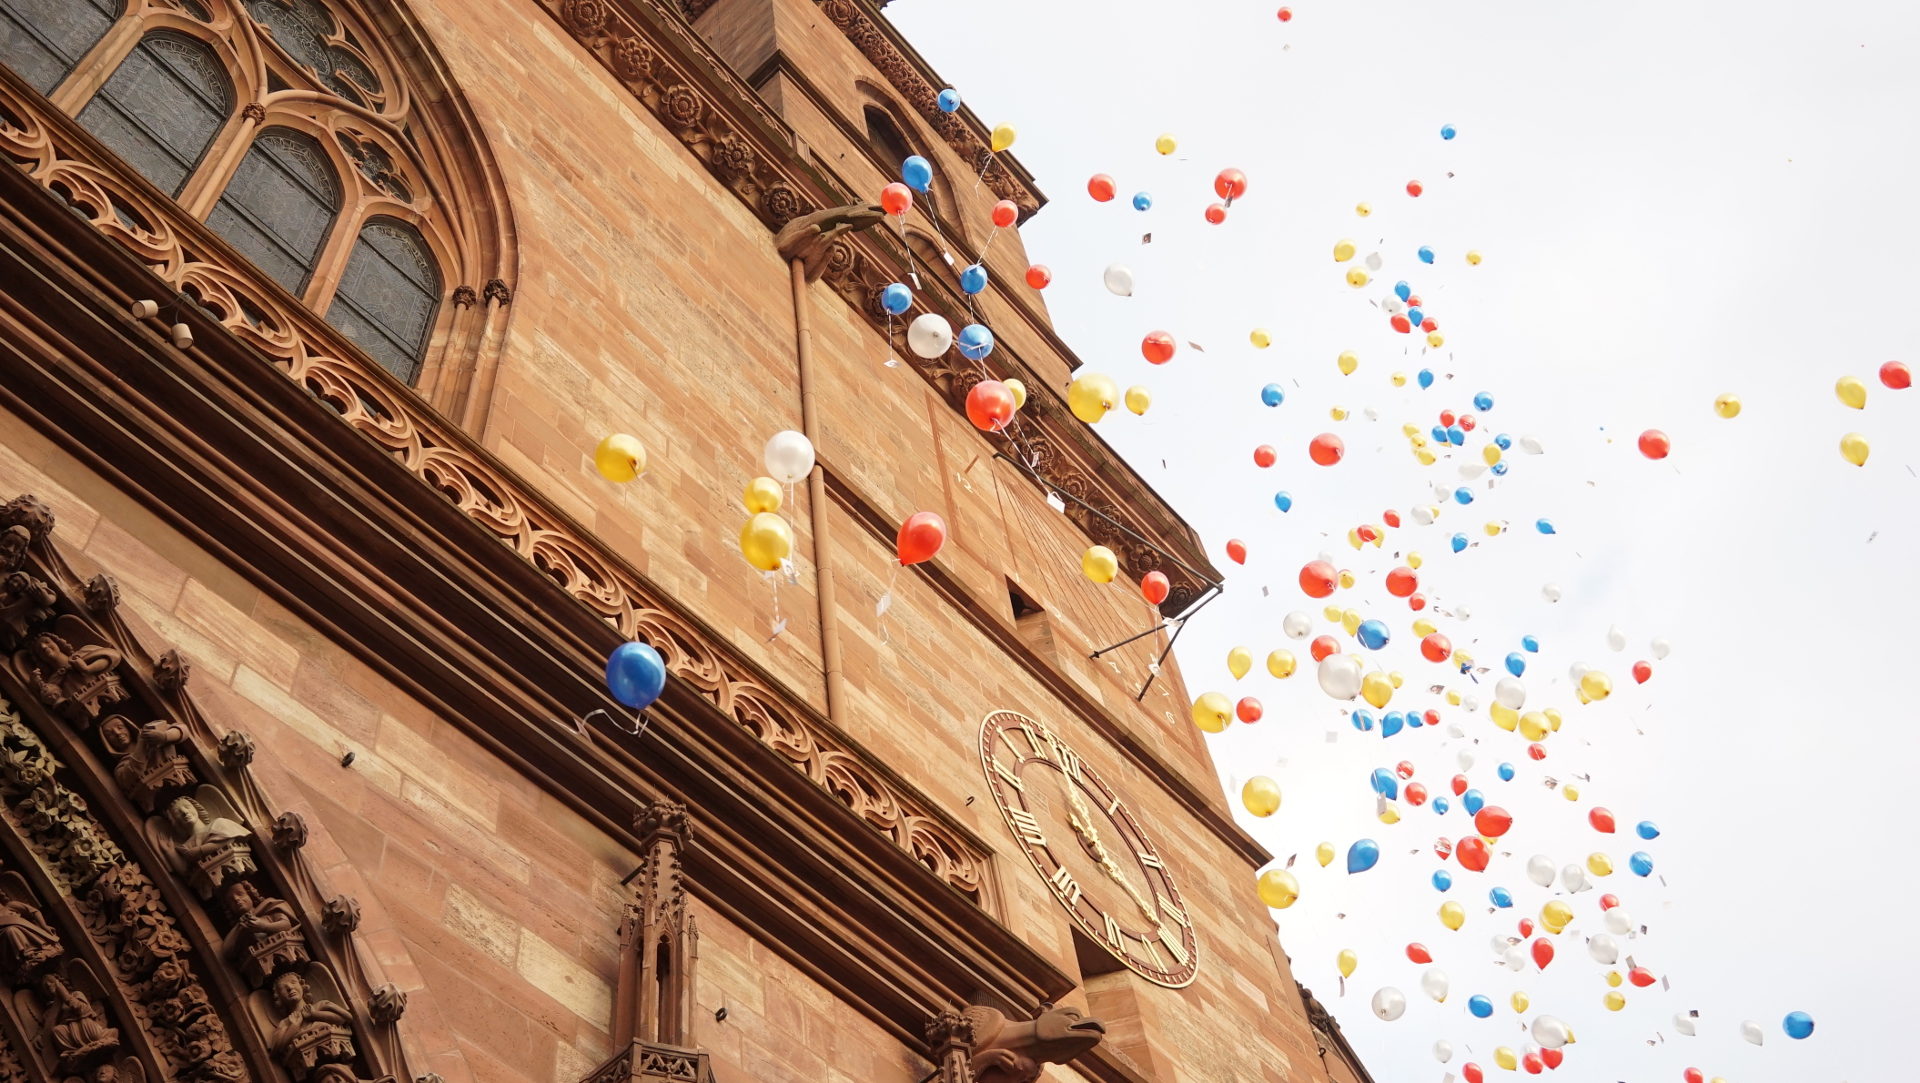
column 1675, row 200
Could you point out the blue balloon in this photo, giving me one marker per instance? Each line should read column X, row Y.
column 1283, row 501
column 1442, row 880
column 1544, row 526
column 1500, row 469
column 1273, row 395
column 1373, row 634
column 1440, row 434
column 1473, row 801
column 1363, row 721
column 1142, row 201
column 1426, row 254
column 1517, row 664
column 1385, row 783
column 1506, row 772
column 1414, row 719
column 1362, row 855
column 1391, row 724
column 976, row 342
column 1798, row 1025
column 1415, row 316
column 1530, row 644
column 973, row 279
column 1425, row 378
column 636, row 674
column 896, row 298
column 1441, row 805
column 1402, row 290
column 1641, row 863
column 949, row 100
column 1646, row 829
column 1501, row 897
column 1456, row 436
column 917, row 172
column 1480, row 1006
column 1459, row 543
column 1463, row 495
column 1483, row 402
column 1503, row 442
column 1447, row 132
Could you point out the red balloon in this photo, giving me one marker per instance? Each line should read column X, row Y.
column 1609, row 901
column 1413, row 300
column 1264, row 456
column 1641, row 672
column 1414, row 188
column 1436, row 648
column 1401, row 324
column 1641, row 976
column 1326, row 449
column 1157, row 347
column 1473, row 853
column 1419, row 954
column 921, row 536
column 1230, row 184
column 1005, row 213
column 1038, row 276
column 1532, row 1063
column 1542, row 952
column 1526, row 926
column 1433, row 717
column 1654, row 444
column 1391, row 518
column 1366, row 532
column 1417, row 602
column 1236, row 550
column 1216, row 213
column 1249, row 709
column 1447, row 418
column 896, row 198
column 1416, row 793
column 1401, row 582
column 1100, row 187
column 1317, row 579
column 1286, row 15
column 1601, row 819
column 1553, row 1057
column 1471, row 1073
column 1537, row 751
column 1466, row 420
column 1493, row 821
column 1693, row 1075
column 1443, row 847
column 1459, row 785
column 1323, row 646
column 1896, row 376
column 1429, row 324
column 1154, row 587
column 1404, row 768
column 990, row 405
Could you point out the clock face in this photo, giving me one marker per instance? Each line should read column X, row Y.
column 1087, row 844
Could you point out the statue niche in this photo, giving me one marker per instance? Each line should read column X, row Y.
column 72, row 672
column 27, row 942
column 308, row 1029
column 265, row 936
column 150, row 758
column 205, row 840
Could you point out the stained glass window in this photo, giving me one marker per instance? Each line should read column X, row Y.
column 41, row 40
column 305, row 29
column 389, row 295
column 162, row 107
column 279, row 205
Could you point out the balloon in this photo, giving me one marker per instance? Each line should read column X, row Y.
column 1852, row 392
column 973, row 278
column 896, row 199
column 1646, row 830
column 1362, row 855
column 1376, row 688
column 1654, row 444
column 1157, row 347
column 1296, row 625
column 990, row 405
column 1164, row 144
column 1751, row 1031
column 1727, row 406
column 1348, row 361
column 1326, row 449
column 763, row 494
column 1551, row 592
column 1347, row 961
column 1540, row 870
column 1519, row 1001
column 1039, row 275
column 1442, row 880
column 1414, row 188
column 1473, row 257
column 1574, row 879
column 917, row 172
column 1261, row 796
column 1493, row 821
column 1118, row 279
column 949, row 100
column 1138, row 399
column 1277, row 888
column 921, row 536
column 1236, row 550
column 1473, row 802
column 1100, row 187
column 1356, row 278
column 1340, row 676
column 1323, row 853
column 1216, row 213
column 929, row 335
column 896, row 298
column 1642, row 672
column 1854, row 449
column 1480, row 1006
column 1283, row 501
column 1264, row 456
column 1003, row 137
column 1896, row 377
column 789, row 457
column 636, row 674
column 1473, row 853
column 1090, row 396
column 1459, row 543
column 1506, row 772
column 1434, row 984
column 1549, row 1032
column 1372, row 634
column 620, row 457
column 1230, row 184
column 1426, row 256
column 1142, row 201
column 1510, row 693
column 1154, row 587
column 1211, row 711
column 1693, row 1075
column 1384, row 782
column 1442, row 1051
column 976, row 342
column 1799, row 1025
column 1099, row 564
column 1005, row 213
column 766, row 541
column 1684, row 1024
column 1239, row 662
column 1641, row 863
column 1618, row 921
column 1402, row 582
column 1500, row 897
column 1389, row 1004
column 1317, row 579
column 1452, row 915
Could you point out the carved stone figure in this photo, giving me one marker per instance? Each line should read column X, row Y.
column 312, row 1036
column 266, row 934
column 75, row 680
column 1005, row 1051
column 808, row 237
column 76, row 1027
column 25, row 601
column 213, row 848
column 27, row 942
column 14, row 541
column 150, row 758
column 170, row 672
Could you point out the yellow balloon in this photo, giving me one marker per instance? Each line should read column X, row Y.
column 1353, row 537
column 1453, row 698
column 1494, row 530
column 1165, row 143
column 1396, row 679
column 1342, row 251
column 763, row 494
column 1338, row 413
column 1281, row 664
column 1346, row 579
column 1332, row 613
column 1356, row 277
column 1852, row 392
column 1138, row 399
column 1473, row 257
column 1389, row 814
column 1614, row 1000
column 1571, row 793
column 1348, row 962
column 1555, row 915
column 1363, row 209
column 1423, row 627
column 1519, row 1001
column 1490, row 454
column 1277, row 888
column 1350, row 621
column 1504, row 716
column 1239, row 662
column 1261, row 338
column 1261, row 796
column 1323, row 853
column 1596, row 685
column 1553, row 719
column 1504, row 1058
column 1426, row 457
column 1599, row 864
column 1003, row 137
column 1019, row 392
column 1348, row 362
column 1853, row 448
column 1211, row 711
column 620, row 458
column 1409, row 430
column 1452, row 914
column 1413, row 560
column 1435, row 339
column 1727, row 406
column 1376, row 689
column 1091, row 395
column 1462, row 658
column 1099, row 564
column 766, row 540
column 1614, row 979
column 1400, row 380
column 1533, row 726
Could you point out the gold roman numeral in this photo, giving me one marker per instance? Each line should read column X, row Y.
column 1007, row 775
column 1114, row 935
column 1114, row 805
column 1025, row 826
column 1063, row 882
column 1068, row 759
column 1153, row 952
column 1150, row 860
column 1172, row 911
column 1174, row 947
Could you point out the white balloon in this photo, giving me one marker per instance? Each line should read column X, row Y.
column 1442, row 493
column 1393, row 305
column 1531, row 445
column 1297, row 625
column 1510, row 693
column 1465, row 760
column 1604, row 949
column 1501, row 943
column 1574, row 879
column 1514, row 959
column 1471, row 471
column 929, row 335
column 1456, row 730
column 1540, row 870
column 1551, row 592
column 1374, row 262
column 1470, row 703
column 1616, row 639
column 1461, row 612
column 1340, row 676
column 1751, row 1031
column 1577, row 671
column 1118, row 279
column 1389, row 1004
column 1619, row 922
column 1434, row 984
column 1661, row 648
column 1371, row 414
column 1423, row 514
column 789, row 457
column 1443, row 1051
column 1683, row 1023
column 1551, row 1033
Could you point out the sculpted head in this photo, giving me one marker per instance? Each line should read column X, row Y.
column 289, row 991
column 1066, row 1032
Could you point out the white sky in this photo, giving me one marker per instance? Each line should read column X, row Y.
column 1675, row 200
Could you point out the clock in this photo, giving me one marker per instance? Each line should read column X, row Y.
column 1087, row 844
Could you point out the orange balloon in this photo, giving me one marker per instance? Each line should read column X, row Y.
column 1322, row 646
column 1317, row 578
column 896, row 198
column 921, row 536
column 1100, row 187
column 990, row 405
column 1436, row 648
column 1654, row 444
column 1230, row 184
column 1264, row 456
column 1216, row 213
column 1326, row 449
column 1157, row 347
column 1236, row 550
column 1402, row 582
column 1154, row 587
column 1038, row 276
column 1005, row 213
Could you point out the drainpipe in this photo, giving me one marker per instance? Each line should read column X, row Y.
column 817, row 494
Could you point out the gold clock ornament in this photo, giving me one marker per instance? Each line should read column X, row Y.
column 1088, row 845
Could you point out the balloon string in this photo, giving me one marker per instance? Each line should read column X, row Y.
column 984, row 166
column 885, row 635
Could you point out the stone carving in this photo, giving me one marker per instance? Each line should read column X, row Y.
column 25, row 603
column 207, row 840
column 311, row 1033
column 465, row 297
column 498, row 292
column 1005, row 1051
column 78, row 1029
column 641, row 1062
column 387, row 1004
column 659, row 941
column 340, row 914
column 27, row 942
column 71, row 674
column 236, row 749
column 132, row 921
column 290, row 831
column 265, row 937
column 102, row 595
column 1322, row 1021
column 29, row 511
column 950, row 1044
column 170, row 672
column 150, row 758
column 807, row 237
column 14, row 541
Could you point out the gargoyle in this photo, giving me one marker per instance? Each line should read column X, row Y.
column 1005, row 1051
column 807, row 237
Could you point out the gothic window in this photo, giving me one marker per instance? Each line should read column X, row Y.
column 278, row 206
column 162, row 107
column 309, row 34
column 887, row 141
column 43, row 39
column 388, row 296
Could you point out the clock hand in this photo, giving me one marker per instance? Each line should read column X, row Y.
column 1082, row 823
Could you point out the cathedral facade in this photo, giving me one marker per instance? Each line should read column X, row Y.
column 312, row 315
